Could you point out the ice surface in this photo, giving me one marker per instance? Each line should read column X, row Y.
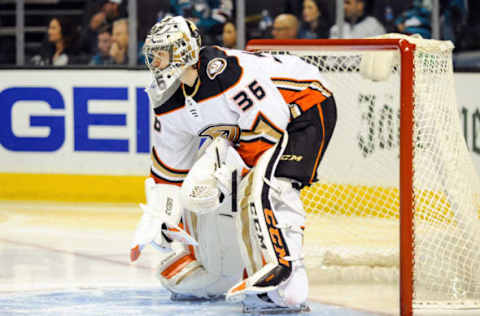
column 73, row 259
column 128, row 301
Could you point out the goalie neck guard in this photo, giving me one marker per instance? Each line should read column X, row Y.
column 181, row 39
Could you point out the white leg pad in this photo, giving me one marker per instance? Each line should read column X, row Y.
column 293, row 291
column 212, row 267
column 270, row 227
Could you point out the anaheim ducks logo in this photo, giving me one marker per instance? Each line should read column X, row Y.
column 215, row 67
column 230, row 132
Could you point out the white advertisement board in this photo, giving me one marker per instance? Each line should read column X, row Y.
column 468, row 97
column 99, row 121
column 75, row 122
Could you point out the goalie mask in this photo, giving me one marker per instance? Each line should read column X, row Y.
column 176, row 38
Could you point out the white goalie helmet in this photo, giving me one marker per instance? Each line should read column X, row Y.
column 181, row 39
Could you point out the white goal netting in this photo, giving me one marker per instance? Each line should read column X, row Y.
column 353, row 229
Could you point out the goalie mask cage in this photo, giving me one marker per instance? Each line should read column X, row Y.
column 397, row 201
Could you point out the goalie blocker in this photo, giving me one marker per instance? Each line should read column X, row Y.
column 271, row 220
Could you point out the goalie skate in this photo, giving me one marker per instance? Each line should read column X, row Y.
column 262, row 304
column 177, row 297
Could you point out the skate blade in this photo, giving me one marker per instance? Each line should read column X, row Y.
column 194, row 299
column 304, row 308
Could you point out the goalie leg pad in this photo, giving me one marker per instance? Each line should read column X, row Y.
column 270, row 226
column 291, row 219
column 209, row 269
column 218, row 249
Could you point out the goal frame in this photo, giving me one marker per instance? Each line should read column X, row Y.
column 406, row 193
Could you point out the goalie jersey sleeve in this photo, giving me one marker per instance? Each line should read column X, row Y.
column 174, row 148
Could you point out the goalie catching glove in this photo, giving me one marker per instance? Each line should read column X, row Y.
column 209, row 181
column 159, row 224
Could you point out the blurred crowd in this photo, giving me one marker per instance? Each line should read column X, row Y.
column 102, row 37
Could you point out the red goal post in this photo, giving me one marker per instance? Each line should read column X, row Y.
column 413, row 55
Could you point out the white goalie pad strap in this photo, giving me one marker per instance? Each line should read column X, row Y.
column 210, row 176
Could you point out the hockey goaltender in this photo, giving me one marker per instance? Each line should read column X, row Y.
column 228, row 216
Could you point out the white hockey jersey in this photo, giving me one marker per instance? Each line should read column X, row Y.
column 246, row 97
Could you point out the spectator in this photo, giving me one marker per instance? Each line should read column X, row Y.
column 453, row 17
column 415, row 20
column 358, row 24
column 208, row 15
column 315, row 23
column 285, row 26
column 149, row 13
column 109, row 11
column 59, row 47
column 265, row 24
column 104, row 14
column 229, row 36
column 7, row 50
column 104, row 43
column 119, row 48
column 292, row 6
column 469, row 39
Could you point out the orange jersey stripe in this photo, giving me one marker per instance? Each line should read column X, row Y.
column 305, row 98
column 251, row 151
column 320, row 112
column 300, row 84
column 260, row 137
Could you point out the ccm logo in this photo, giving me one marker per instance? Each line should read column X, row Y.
column 276, row 237
column 258, row 228
column 291, row 158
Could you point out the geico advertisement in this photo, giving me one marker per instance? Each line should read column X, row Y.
column 99, row 122
column 75, row 121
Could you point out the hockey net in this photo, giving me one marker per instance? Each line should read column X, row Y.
column 398, row 196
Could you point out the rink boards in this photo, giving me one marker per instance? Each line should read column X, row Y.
column 84, row 135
